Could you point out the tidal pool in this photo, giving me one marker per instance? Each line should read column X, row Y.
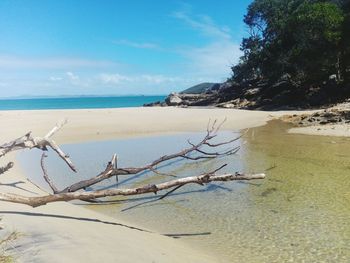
column 299, row 213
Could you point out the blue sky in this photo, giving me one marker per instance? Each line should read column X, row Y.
column 73, row 47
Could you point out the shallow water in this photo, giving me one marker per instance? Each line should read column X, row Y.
column 299, row 213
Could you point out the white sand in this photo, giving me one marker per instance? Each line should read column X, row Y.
column 340, row 130
column 101, row 124
column 63, row 232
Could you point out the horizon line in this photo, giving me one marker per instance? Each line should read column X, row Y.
column 77, row 96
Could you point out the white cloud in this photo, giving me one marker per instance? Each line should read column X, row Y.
column 73, row 83
column 142, row 45
column 116, row 78
column 158, row 79
column 63, row 75
column 213, row 60
column 71, row 76
column 203, row 24
column 52, row 78
column 13, row 62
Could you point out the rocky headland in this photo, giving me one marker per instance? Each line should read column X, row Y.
column 258, row 95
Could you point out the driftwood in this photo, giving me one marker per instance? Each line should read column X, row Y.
column 154, row 188
column 29, row 142
column 205, row 149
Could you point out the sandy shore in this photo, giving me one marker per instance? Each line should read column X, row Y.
column 102, row 124
column 63, row 232
column 340, row 130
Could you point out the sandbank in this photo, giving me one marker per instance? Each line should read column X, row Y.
column 339, row 130
column 64, row 232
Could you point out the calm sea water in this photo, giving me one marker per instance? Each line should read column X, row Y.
column 77, row 102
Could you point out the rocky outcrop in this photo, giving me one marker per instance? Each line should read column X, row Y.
column 335, row 115
column 173, row 100
column 155, row 104
column 201, row 88
column 185, row 100
column 237, row 103
column 283, row 94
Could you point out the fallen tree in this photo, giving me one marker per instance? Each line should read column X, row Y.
column 205, row 149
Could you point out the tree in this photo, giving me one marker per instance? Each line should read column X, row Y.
column 316, row 31
column 205, row 149
column 345, row 41
column 306, row 39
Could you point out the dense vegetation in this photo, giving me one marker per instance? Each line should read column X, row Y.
column 304, row 44
column 200, row 88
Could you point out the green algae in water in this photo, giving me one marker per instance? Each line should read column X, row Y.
column 299, row 213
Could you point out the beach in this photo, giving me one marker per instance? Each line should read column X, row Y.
column 163, row 132
column 64, row 232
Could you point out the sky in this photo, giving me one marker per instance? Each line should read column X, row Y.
column 91, row 47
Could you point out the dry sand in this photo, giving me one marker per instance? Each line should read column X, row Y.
column 63, row 232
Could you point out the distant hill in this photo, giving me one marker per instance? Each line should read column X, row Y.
column 200, row 88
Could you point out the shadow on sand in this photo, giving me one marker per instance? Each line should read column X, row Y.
column 94, row 220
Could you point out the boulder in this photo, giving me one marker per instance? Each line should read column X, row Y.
column 173, row 100
column 152, row 104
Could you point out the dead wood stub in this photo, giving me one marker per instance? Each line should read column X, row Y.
column 6, row 167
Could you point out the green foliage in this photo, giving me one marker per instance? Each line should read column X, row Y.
column 303, row 39
column 317, row 31
column 200, row 88
column 345, row 41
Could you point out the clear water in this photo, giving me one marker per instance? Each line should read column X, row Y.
column 77, row 102
column 299, row 213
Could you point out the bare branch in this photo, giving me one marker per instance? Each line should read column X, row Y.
column 179, row 186
column 220, row 125
column 55, row 129
column 194, row 152
column 154, row 188
column 64, row 156
column 183, row 154
column 29, row 142
column 171, row 191
column 46, row 176
column 6, row 167
column 114, row 161
column 213, row 126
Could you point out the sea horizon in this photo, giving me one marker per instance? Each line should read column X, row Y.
column 77, row 102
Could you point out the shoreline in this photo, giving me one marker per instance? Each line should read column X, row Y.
column 109, row 123
column 66, row 230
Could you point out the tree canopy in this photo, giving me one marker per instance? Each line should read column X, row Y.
column 307, row 41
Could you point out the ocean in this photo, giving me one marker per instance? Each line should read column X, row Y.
column 77, row 102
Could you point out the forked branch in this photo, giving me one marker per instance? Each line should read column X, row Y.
column 205, row 149
column 152, row 188
column 194, row 153
column 29, row 142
